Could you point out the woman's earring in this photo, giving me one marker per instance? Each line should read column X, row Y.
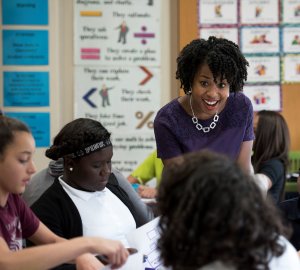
column 71, row 169
column 189, row 92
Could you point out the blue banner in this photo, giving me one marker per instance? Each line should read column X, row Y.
column 26, row 89
column 39, row 124
column 28, row 12
column 25, row 47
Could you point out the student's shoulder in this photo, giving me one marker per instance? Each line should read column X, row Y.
column 288, row 260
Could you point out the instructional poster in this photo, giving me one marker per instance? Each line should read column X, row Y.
column 117, row 52
column 117, row 32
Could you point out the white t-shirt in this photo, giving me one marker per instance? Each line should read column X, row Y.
column 102, row 213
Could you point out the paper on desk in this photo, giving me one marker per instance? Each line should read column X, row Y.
column 144, row 239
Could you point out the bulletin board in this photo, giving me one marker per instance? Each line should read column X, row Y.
column 290, row 93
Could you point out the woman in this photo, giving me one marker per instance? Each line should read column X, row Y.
column 18, row 222
column 214, row 113
column 87, row 199
column 270, row 152
column 151, row 168
column 214, row 217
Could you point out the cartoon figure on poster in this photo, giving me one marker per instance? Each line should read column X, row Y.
column 297, row 69
column 260, row 98
column 104, row 95
column 296, row 40
column 123, row 32
column 260, row 39
column 260, row 70
column 297, row 11
column 258, row 11
column 218, row 10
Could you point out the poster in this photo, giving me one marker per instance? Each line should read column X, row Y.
column 264, row 97
column 121, row 98
column 291, row 68
column 290, row 11
column 131, row 148
column 25, row 47
column 218, row 12
column 291, row 39
column 260, row 40
column 117, row 33
column 26, row 89
column 125, row 100
column 259, row 12
column 263, row 69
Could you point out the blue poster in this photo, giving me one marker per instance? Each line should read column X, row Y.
column 26, row 89
column 28, row 12
column 25, row 47
column 39, row 123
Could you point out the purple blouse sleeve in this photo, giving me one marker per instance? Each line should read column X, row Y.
column 166, row 142
column 249, row 132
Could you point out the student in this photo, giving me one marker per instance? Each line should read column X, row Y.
column 214, row 113
column 86, row 199
column 291, row 214
column 17, row 221
column 214, row 217
column 42, row 180
column 271, row 152
column 151, row 168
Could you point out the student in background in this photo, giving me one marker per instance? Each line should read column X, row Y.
column 270, row 152
column 213, row 217
column 291, row 214
column 214, row 113
column 150, row 168
column 87, row 198
column 17, row 221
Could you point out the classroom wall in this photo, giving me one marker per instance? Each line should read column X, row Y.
column 188, row 30
column 61, row 64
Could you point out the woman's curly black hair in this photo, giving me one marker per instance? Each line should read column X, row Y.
column 76, row 135
column 212, row 211
column 223, row 57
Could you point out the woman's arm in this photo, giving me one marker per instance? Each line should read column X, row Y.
column 244, row 157
column 51, row 255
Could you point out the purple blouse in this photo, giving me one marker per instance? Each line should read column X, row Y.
column 176, row 134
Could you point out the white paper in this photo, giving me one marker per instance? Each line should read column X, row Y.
column 144, row 239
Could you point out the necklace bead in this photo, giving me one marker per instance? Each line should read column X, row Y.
column 198, row 125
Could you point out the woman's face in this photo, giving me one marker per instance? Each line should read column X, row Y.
column 91, row 172
column 209, row 97
column 16, row 164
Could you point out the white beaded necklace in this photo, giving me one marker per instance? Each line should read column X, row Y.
column 198, row 125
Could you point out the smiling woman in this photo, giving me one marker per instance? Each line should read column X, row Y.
column 214, row 114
